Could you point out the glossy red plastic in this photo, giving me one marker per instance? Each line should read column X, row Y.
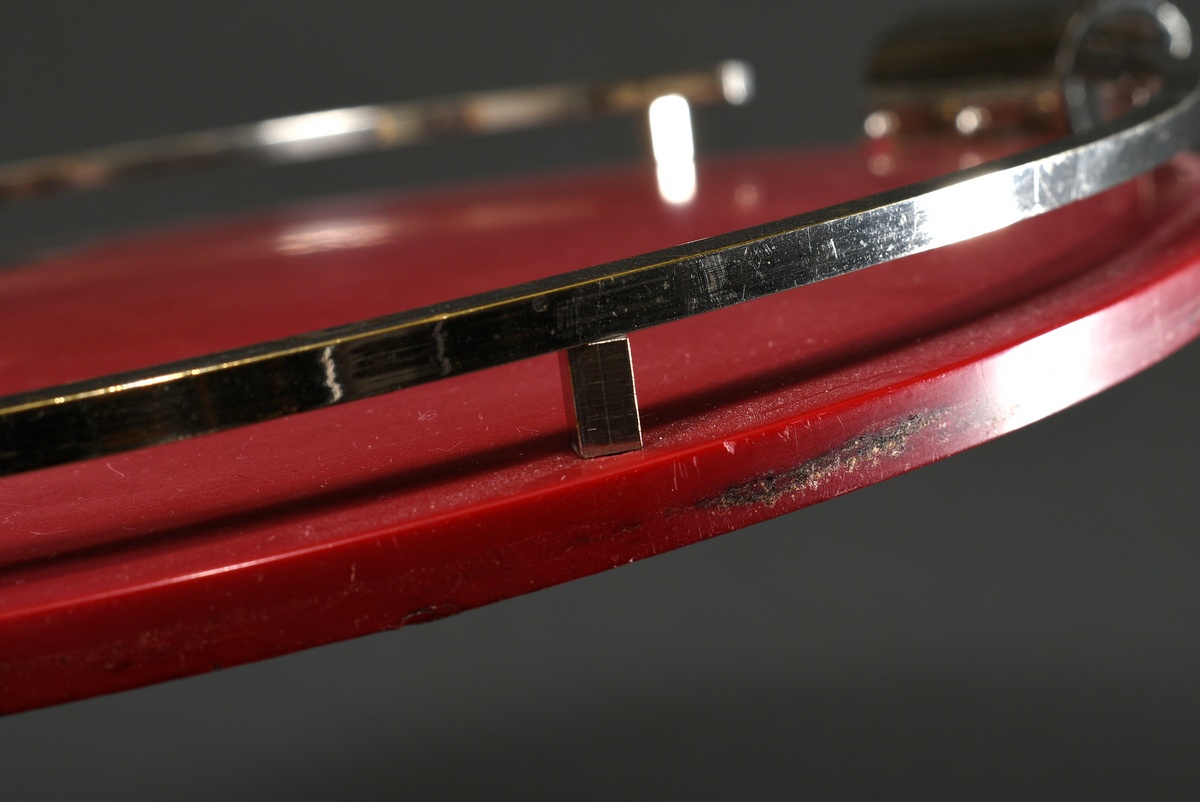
column 185, row 558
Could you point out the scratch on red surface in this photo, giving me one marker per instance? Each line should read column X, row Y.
column 859, row 452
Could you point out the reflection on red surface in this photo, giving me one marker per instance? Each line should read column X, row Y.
column 173, row 560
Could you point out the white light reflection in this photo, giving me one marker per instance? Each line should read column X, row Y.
column 881, row 164
column 1044, row 375
column 959, row 212
column 332, row 235
column 671, row 139
column 524, row 108
column 335, row 387
column 316, row 135
column 1176, row 25
column 971, row 120
column 737, row 82
column 879, row 124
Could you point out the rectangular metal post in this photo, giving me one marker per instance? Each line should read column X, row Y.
column 601, row 399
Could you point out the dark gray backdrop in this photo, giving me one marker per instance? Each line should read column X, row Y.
column 1021, row 620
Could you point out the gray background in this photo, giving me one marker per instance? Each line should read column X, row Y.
column 1021, row 620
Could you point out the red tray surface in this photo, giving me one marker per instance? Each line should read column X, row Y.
column 184, row 558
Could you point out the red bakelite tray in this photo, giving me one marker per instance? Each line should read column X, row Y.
column 184, row 558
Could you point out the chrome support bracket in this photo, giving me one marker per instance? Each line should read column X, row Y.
column 601, row 398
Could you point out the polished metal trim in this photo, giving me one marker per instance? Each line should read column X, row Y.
column 359, row 360
column 341, row 132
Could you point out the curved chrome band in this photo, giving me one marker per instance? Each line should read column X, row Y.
column 341, row 132
column 319, row 369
